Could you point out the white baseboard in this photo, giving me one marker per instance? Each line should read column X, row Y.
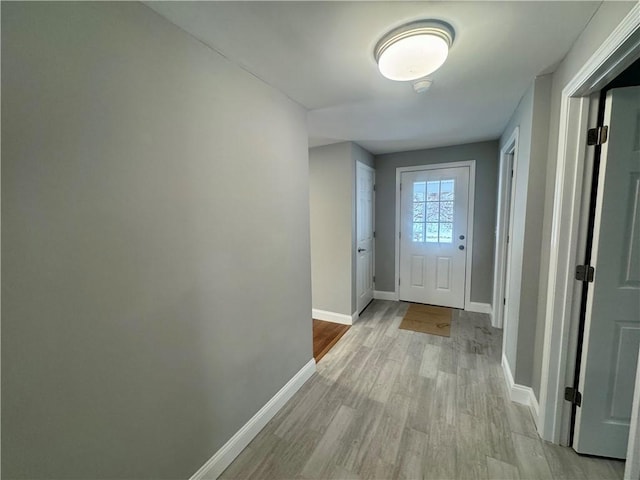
column 380, row 295
column 520, row 393
column 230, row 450
column 333, row 317
column 354, row 316
column 478, row 307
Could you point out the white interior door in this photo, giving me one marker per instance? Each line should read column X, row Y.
column 612, row 327
column 433, row 235
column 364, row 234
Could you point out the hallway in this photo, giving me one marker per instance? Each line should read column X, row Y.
column 389, row 403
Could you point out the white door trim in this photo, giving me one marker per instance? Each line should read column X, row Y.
column 503, row 223
column 582, row 236
column 615, row 54
column 472, row 182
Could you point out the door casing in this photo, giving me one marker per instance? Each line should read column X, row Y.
column 504, row 223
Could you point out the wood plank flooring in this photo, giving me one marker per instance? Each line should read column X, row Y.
column 387, row 403
column 325, row 336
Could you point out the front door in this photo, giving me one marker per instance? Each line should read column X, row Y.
column 612, row 322
column 364, row 234
column 433, row 235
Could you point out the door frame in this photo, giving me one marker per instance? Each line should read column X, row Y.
column 618, row 51
column 469, row 258
column 504, row 227
column 583, row 233
column 360, row 164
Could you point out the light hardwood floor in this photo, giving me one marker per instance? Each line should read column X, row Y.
column 389, row 403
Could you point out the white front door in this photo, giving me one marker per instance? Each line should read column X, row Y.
column 612, row 327
column 364, row 234
column 433, row 235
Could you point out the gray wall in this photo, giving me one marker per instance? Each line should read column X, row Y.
column 531, row 118
column 330, row 201
column 332, row 198
column 155, row 244
column 486, row 156
column 535, row 222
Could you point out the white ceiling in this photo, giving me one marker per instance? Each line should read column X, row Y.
column 320, row 54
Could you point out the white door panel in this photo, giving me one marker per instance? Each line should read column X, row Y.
column 612, row 327
column 417, row 270
column 444, row 266
column 364, row 234
column 433, row 235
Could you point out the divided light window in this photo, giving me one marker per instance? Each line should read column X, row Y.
column 433, row 211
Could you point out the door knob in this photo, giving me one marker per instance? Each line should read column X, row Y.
column 461, row 247
column 461, row 237
column 362, row 250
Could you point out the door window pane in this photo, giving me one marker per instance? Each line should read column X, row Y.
column 433, row 191
column 433, row 211
column 447, row 189
column 418, row 212
column 446, row 212
column 418, row 232
column 418, row 191
column 446, row 233
column 432, row 232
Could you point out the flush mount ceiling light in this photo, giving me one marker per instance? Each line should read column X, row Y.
column 414, row 50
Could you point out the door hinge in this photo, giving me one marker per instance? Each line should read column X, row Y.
column 597, row 136
column 374, row 279
column 374, row 234
column 374, row 188
column 512, row 173
column 573, row 395
column 504, row 301
column 399, row 234
column 507, row 238
column 585, row 273
column 398, row 280
column 400, row 187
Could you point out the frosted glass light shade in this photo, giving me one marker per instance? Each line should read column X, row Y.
column 414, row 50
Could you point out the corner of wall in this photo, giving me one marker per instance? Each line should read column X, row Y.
column 540, row 149
column 332, row 176
column 520, row 393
